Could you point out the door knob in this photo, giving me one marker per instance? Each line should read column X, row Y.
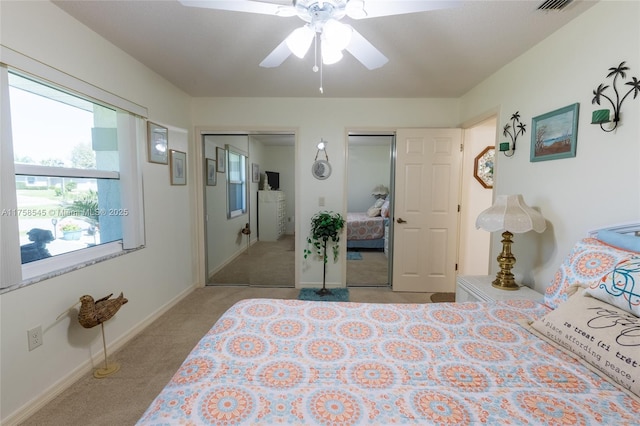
column 401, row 220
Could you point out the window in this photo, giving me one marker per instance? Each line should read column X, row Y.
column 70, row 179
column 236, row 183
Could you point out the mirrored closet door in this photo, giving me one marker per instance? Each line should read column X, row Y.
column 369, row 194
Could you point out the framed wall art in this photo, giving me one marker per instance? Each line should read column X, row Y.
column 255, row 172
column 483, row 166
column 554, row 135
column 178, row 160
column 221, row 157
column 157, row 143
column 210, row 167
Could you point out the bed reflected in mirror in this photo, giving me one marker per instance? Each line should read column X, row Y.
column 369, row 196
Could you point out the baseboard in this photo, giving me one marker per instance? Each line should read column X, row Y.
column 31, row 407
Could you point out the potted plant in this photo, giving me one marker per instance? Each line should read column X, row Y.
column 71, row 231
column 325, row 229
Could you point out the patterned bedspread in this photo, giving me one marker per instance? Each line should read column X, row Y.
column 362, row 227
column 328, row 363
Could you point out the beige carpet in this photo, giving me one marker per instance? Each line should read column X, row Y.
column 150, row 359
column 271, row 264
column 372, row 270
column 265, row 263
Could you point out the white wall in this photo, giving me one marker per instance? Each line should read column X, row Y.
column 312, row 119
column 369, row 166
column 150, row 278
column 601, row 185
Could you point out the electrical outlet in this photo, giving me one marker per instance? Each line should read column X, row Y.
column 35, row 337
column 321, row 201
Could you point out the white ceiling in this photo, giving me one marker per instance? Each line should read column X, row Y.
column 212, row 53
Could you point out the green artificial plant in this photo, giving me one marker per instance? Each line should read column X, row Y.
column 325, row 227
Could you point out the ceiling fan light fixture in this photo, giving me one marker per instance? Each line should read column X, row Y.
column 337, row 34
column 330, row 55
column 300, row 40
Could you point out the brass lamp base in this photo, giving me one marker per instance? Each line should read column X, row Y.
column 504, row 278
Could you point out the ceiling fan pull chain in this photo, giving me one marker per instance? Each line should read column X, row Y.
column 315, row 61
column 321, row 90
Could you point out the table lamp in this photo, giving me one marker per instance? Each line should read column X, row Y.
column 509, row 214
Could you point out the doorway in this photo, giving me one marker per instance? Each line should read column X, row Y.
column 369, row 208
column 240, row 246
column 474, row 248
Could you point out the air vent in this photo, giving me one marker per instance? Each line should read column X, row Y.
column 554, row 4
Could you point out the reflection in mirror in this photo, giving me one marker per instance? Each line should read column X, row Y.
column 369, row 210
column 236, row 182
column 251, row 244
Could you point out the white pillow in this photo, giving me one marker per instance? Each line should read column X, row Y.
column 373, row 211
column 379, row 202
column 384, row 210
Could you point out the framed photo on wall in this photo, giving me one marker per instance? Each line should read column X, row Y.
column 157, row 143
column 255, row 172
column 211, row 172
column 178, row 167
column 221, row 157
column 554, row 135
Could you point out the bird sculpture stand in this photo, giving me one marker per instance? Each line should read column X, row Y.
column 97, row 312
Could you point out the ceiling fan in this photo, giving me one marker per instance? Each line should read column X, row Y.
column 323, row 25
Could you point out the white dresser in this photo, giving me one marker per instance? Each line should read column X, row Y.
column 272, row 210
column 478, row 288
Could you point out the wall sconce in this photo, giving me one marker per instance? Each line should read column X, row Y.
column 512, row 130
column 602, row 116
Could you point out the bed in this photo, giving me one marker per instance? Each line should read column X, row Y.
column 366, row 230
column 268, row 361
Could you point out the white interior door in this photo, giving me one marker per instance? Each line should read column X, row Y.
column 427, row 189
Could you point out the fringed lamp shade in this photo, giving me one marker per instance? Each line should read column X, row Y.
column 509, row 214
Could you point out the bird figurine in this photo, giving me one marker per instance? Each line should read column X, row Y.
column 93, row 313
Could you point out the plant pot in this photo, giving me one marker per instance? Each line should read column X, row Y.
column 72, row 235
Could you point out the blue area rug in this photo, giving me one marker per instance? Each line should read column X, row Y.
column 337, row 295
column 354, row 255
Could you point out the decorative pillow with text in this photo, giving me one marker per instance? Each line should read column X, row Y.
column 603, row 337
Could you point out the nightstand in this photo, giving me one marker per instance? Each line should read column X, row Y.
column 478, row 288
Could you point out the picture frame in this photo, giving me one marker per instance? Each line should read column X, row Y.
column 157, row 143
column 211, row 172
column 255, row 172
column 178, row 166
column 483, row 166
column 554, row 135
column 221, row 157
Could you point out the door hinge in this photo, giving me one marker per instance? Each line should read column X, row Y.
column 461, row 147
column 458, row 208
column 456, row 266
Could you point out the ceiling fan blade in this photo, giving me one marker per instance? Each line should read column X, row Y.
column 365, row 52
column 277, row 56
column 377, row 8
column 242, row 6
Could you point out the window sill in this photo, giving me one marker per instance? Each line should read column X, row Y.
column 64, row 270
